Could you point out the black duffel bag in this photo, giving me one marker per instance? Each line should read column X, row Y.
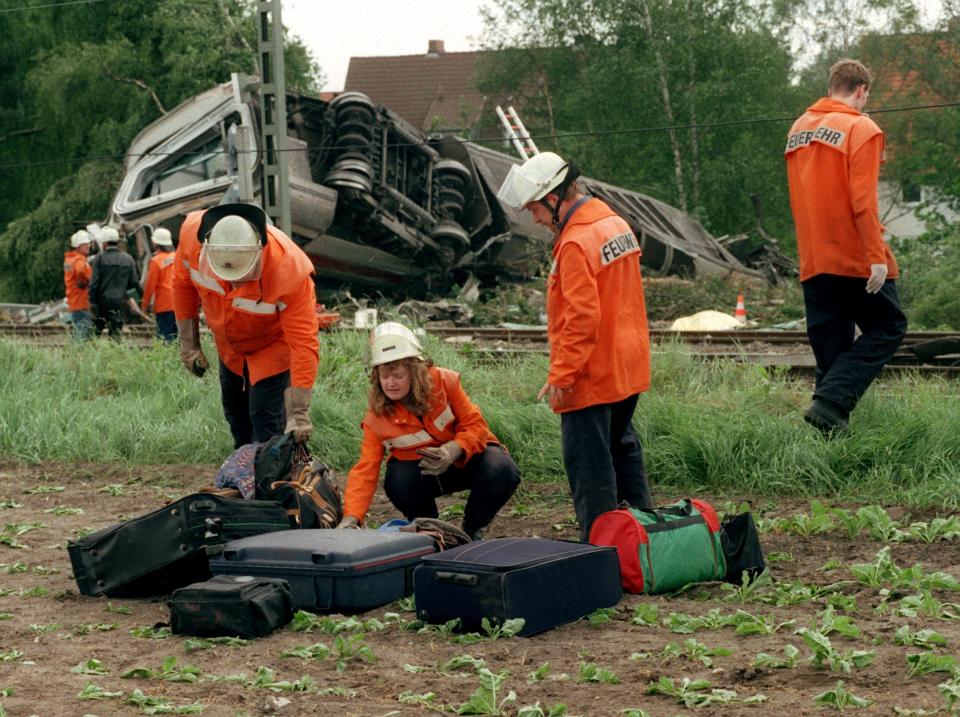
column 231, row 606
column 740, row 541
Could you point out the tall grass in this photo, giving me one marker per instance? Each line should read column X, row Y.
column 716, row 427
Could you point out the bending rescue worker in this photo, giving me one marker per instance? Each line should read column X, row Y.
column 439, row 442
column 256, row 289
column 597, row 327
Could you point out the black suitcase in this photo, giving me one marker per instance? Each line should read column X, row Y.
column 166, row 549
column 231, row 606
column 331, row 570
column 545, row 582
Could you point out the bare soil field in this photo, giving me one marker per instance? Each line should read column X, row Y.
column 49, row 634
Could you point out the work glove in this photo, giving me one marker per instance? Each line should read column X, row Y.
column 191, row 355
column 878, row 275
column 348, row 522
column 297, row 403
column 438, row 460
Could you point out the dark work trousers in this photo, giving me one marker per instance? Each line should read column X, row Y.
column 166, row 325
column 491, row 477
column 603, row 459
column 835, row 305
column 254, row 413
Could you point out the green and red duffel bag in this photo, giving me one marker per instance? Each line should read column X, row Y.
column 663, row 549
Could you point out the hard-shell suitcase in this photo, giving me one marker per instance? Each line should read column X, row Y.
column 231, row 606
column 545, row 582
column 330, row 570
column 156, row 553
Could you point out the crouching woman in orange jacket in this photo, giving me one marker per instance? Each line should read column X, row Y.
column 439, row 442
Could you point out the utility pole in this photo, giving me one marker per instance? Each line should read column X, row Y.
column 273, row 115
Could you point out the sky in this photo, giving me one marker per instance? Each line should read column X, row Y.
column 335, row 31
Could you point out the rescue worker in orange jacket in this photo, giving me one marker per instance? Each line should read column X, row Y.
column 438, row 441
column 847, row 271
column 256, row 289
column 159, row 286
column 597, row 327
column 76, row 278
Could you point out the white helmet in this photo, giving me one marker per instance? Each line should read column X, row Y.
column 533, row 180
column 79, row 238
column 109, row 235
column 233, row 248
column 391, row 341
column 161, row 237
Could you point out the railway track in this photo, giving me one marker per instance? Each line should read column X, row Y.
column 788, row 350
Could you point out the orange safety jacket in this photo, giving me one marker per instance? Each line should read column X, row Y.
column 452, row 416
column 159, row 283
column 269, row 324
column 596, row 315
column 76, row 278
column 833, row 157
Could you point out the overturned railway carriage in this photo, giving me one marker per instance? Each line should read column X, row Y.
column 374, row 202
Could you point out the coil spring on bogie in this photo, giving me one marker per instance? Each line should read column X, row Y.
column 354, row 122
column 451, row 181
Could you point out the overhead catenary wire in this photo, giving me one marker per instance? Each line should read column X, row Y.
column 46, row 6
column 479, row 140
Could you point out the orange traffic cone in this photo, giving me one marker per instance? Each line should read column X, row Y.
column 741, row 313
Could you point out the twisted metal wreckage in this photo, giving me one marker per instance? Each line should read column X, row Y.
column 374, row 202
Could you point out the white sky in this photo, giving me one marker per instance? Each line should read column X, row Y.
column 336, row 30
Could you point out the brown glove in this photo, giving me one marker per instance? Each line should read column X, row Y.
column 297, row 402
column 191, row 355
column 437, row 461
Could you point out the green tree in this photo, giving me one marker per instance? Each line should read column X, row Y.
column 78, row 83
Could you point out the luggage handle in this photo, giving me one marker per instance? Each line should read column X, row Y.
column 456, row 578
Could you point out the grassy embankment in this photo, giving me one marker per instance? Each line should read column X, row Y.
column 727, row 429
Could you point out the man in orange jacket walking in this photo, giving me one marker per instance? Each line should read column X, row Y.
column 257, row 293
column 597, row 326
column 159, row 286
column 847, row 271
column 76, row 278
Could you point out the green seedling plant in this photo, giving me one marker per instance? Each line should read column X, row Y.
column 846, row 520
column 207, row 643
column 88, row 627
column 17, row 567
column 924, row 663
column 748, row 590
column 591, row 672
column 263, row 679
column 114, row 489
column 64, row 510
column 925, row 604
column 119, row 609
column 42, row 629
column 831, row 623
column 693, row 650
column 510, row 628
column 484, row 700
column 601, row 616
column 840, row 698
column 927, row 639
column 90, row 667
column 539, row 674
column 950, row 691
column 936, row 529
column 351, row 648
column 426, row 699
column 645, row 614
column 634, row 712
column 779, row 556
column 841, row 602
column 151, row 633
column 161, row 705
column 45, row 489
column 316, row 651
column 11, row 655
column 9, row 504
column 535, row 710
column 805, row 525
column 878, row 523
column 693, row 693
column 304, row 621
column 826, row 655
column 91, row 691
column 460, row 662
column 169, row 671
column 37, row 591
column 41, row 570
column 684, row 624
column 748, row 624
column 789, row 660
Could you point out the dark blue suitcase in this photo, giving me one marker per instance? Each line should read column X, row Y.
column 545, row 582
column 330, row 570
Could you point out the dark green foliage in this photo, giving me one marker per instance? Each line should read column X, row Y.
column 929, row 268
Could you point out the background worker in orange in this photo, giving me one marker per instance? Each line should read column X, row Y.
column 847, row 271
column 439, row 442
column 76, row 278
column 597, row 326
column 159, row 286
column 257, row 293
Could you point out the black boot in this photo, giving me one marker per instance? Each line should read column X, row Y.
column 826, row 416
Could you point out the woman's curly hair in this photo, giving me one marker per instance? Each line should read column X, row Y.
column 421, row 388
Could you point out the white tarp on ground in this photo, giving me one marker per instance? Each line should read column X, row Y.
column 708, row 320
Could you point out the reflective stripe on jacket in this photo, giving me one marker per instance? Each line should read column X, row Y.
column 833, row 157
column 596, row 315
column 270, row 324
column 452, row 416
column 76, row 279
column 159, row 286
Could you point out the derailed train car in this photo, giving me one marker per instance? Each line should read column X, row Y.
column 375, row 203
